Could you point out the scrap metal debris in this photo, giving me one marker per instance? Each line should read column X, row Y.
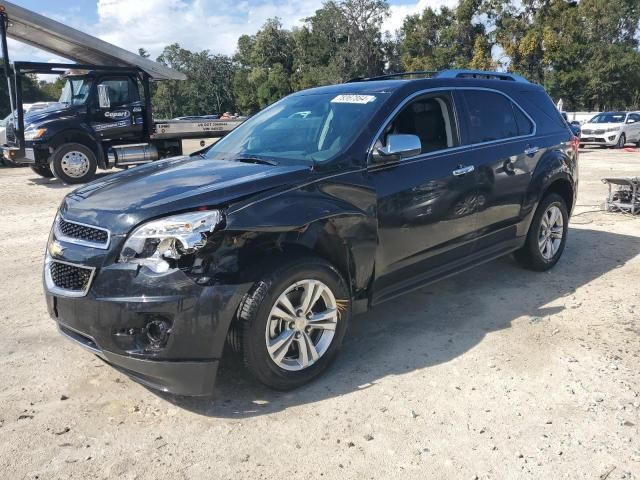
column 625, row 197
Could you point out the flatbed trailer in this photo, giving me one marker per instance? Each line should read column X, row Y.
column 104, row 117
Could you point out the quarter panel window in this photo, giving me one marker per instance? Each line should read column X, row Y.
column 525, row 127
column 492, row 116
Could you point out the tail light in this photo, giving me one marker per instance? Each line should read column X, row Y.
column 575, row 145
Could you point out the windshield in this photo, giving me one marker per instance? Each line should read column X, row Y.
column 75, row 91
column 609, row 118
column 302, row 128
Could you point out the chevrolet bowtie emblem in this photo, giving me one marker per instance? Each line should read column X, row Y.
column 55, row 249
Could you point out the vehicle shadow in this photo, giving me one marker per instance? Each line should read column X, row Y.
column 438, row 323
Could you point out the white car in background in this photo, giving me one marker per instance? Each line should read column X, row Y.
column 611, row 129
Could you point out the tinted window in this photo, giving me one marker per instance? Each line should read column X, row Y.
column 609, row 117
column 525, row 127
column 302, row 128
column 491, row 117
column 429, row 118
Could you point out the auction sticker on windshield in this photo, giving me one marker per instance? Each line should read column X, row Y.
column 351, row 98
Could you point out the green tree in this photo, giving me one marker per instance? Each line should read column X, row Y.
column 448, row 38
column 208, row 88
column 264, row 64
column 583, row 52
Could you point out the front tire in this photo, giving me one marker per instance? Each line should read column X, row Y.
column 42, row 170
column 73, row 163
column 293, row 322
column 622, row 141
column 547, row 235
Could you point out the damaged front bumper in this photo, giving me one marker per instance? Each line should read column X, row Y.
column 163, row 330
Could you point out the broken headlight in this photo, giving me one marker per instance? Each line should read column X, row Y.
column 159, row 244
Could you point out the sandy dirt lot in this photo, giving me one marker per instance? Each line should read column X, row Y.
column 499, row 373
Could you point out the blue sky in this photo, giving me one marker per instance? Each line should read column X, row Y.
column 195, row 24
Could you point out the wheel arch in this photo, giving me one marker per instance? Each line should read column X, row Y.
column 331, row 239
column 82, row 137
column 563, row 187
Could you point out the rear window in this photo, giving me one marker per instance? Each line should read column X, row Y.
column 493, row 116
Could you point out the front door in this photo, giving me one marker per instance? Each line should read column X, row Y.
column 426, row 204
column 120, row 117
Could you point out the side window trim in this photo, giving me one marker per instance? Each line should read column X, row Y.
column 452, row 115
column 456, row 119
column 512, row 105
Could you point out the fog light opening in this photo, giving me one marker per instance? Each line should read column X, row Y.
column 158, row 333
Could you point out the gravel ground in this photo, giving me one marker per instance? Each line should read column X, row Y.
column 499, row 373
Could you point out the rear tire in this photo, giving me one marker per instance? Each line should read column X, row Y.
column 547, row 235
column 73, row 163
column 275, row 340
column 42, row 170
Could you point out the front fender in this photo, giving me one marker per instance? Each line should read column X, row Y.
column 333, row 218
column 69, row 130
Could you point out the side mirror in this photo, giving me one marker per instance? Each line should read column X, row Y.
column 631, row 120
column 103, row 96
column 399, row 146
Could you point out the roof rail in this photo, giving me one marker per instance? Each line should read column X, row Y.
column 431, row 73
column 482, row 75
column 479, row 74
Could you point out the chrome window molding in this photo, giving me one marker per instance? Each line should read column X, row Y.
column 427, row 91
column 78, row 241
column 51, row 286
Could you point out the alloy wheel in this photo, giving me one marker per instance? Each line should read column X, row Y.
column 301, row 325
column 551, row 232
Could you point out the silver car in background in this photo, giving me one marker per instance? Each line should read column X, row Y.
column 611, row 129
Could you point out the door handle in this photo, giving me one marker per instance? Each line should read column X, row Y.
column 463, row 170
column 531, row 150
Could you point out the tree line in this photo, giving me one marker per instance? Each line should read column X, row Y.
column 585, row 52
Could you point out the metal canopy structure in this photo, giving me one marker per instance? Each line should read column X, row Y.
column 54, row 37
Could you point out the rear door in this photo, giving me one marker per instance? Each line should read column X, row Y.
column 123, row 118
column 505, row 151
column 634, row 128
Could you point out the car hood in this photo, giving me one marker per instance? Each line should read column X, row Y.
column 56, row 110
column 120, row 201
column 601, row 126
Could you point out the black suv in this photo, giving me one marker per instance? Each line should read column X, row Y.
column 323, row 205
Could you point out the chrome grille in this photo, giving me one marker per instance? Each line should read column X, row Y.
column 67, row 278
column 586, row 131
column 81, row 233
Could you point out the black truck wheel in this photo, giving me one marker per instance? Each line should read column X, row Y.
column 42, row 170
column 73, row 163
column 293, row 322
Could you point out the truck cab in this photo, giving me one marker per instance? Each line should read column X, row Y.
column 103, row 118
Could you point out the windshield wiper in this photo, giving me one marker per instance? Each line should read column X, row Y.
column 257, row 160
